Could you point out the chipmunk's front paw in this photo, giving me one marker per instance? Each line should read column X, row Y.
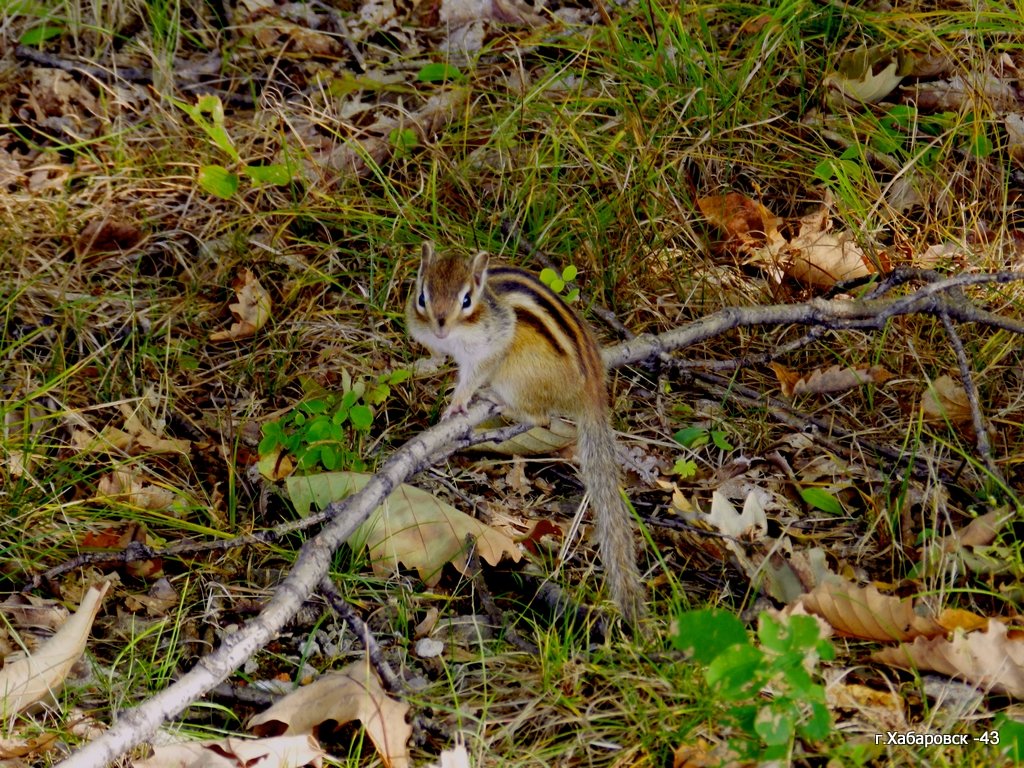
column 455, row 408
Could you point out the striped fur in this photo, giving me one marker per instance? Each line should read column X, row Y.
column 510, row 333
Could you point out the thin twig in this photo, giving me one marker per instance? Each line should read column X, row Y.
column 391, row 682
column 136, row 725
column 977, row 419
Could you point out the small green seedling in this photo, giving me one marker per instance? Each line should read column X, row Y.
column 557, row 283
column 208, row 114
column 328, row 429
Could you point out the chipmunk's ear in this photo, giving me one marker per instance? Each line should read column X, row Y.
column 427, row 254
column 479, row 268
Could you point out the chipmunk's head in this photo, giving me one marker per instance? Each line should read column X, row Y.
column 449, row 289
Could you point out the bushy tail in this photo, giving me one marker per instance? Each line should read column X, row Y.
column 600, row 470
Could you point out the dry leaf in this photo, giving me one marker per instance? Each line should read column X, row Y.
column 352, row 693
column 946, row 399
column 28, row 612
column 415, row 528
column 993, row 660
column 836, row 378
column 963, row 90
column 277, row 33
column 786, row 579
column 30, row 679
column 865, row 612
column 536, row 441
column 124, row 486
column 751, row 524
column 1014, row 124
column 980, row 532
column 744, row 221
column 822, row 258
column 134, row 439
column 736, row 527
column 411, row 527
column 881, row 710
column 160, row 599
column 55, row 93
column 455, row 758
column 252, row 310
column 866, row 74
column 699, row 754
column 816, row 256
column 232, row 752
column 107, row 234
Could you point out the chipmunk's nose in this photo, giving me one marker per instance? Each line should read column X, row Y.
column 442, row 332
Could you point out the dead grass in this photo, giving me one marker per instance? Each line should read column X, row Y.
column 595, row 144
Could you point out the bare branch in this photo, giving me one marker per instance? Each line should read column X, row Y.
column 977, row 420
column 837, row 314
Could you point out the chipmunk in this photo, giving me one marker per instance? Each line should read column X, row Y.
column 510, row 333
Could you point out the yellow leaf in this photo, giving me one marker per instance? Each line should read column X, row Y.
column 411, row 527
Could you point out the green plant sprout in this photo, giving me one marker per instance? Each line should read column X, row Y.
column 557, row 283
column 208, row 114
column 327, row 430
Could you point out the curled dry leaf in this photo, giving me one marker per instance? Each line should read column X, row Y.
column 819, row 257
column 866, row 74
column 124, row 486
column 993, row 660
column 352, row 693
column 252, row 310
column 836, row 378
column 866, row 613
column 745, row 222
column 28, row 612
column 946, row 399
column 816, row 256
column 32, row 678
column 274, row 752
column 980, row 532
column 962, row 90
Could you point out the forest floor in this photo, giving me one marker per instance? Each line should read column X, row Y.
column 210, row 219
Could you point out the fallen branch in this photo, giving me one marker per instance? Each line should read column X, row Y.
column 834, row 314
column 311, row 566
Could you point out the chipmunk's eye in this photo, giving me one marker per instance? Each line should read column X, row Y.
column 422, row 301
column 466, row 301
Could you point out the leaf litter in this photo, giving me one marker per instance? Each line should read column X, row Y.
column 385, row 102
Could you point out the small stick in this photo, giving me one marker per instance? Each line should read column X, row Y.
column 391, row 681
column 977, row 419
